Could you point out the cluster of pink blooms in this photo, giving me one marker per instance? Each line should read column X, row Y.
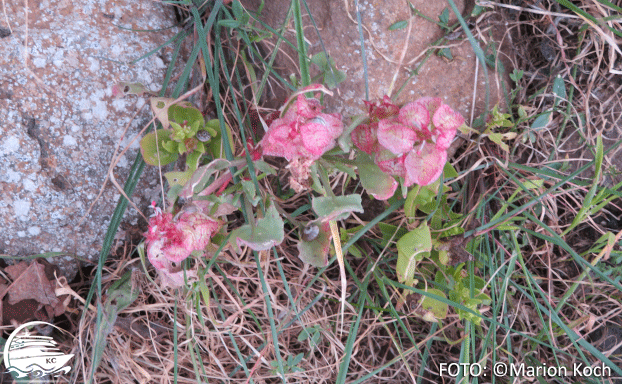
column 304, row 132
column 410, row 142
column 171, row 241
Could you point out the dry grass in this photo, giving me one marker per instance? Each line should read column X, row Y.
column 238, row 310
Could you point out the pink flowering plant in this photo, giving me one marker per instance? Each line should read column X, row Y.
column 302, row 135
column 303, row 132
column 170, row 240
column 394, row 145
column 410, row 142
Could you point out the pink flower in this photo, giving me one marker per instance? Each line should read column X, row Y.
column 430, row 103
column 388, row 191
column 303, row 132
column 446, row 121
column 424, row 166
column 308, row 108
column 365, row 137
column 197, row 230
column 381, row 109
column 415, row 115
column 396, row 137
column 319, row 133
column 282, row 139
column 409, row 142
column 391, row 164
column 171, row 241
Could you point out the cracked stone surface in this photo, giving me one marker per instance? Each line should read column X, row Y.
column 60, row 123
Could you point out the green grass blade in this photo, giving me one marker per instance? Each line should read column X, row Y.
column 426, row 353
column 275, row 336
column 587, row 202
column 586, row 15
column 305, row 78
column 232, row 338
column 571, row 334
column 343, row 367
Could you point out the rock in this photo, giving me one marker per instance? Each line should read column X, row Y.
column 453, row 80
column 60, row 123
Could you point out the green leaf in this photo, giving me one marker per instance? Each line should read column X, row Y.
column 173, row 193
column 228, row 23
column 598, row 159
column 331, row 75
column 170, row 145
column 181, row 147
column 213, row 127
column 264, row 167
column 192, row 160
column 461, row 293
column 315, row 250
column 390, row 232
column 522, row 113
column 418, row 196
column 516, row 75
column 411, row 248
column 542, row 121
column 498, row 119
column 251, row 194
column 446, row 53
column 150, row 150
column 336, row 207
column 159, row 106
column 444, row 17
column 399, row 25
column 304, row 334
column 185, row 120
column 449, row 171
column 305, row 79
column 267, row 232
column 346, row 235
column 217, row 149
column 178, row 178
column 200, row 147
column 320, row 60
column 589, row 197
column 315, row 337
column 559, row 89
column 179, row 132
column 297, row 359
column 122, row 293
column 201, row 178
column 432, row 309
column 349, row 170
column 238, row 10
column 123, row 88
column 443, row 257
column 376, row 183
column 497, row 138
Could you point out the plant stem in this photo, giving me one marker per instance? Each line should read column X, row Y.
column 328, row 192
column 344, row 139
column 289, row 217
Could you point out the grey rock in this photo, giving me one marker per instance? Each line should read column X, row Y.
column 60, row 123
